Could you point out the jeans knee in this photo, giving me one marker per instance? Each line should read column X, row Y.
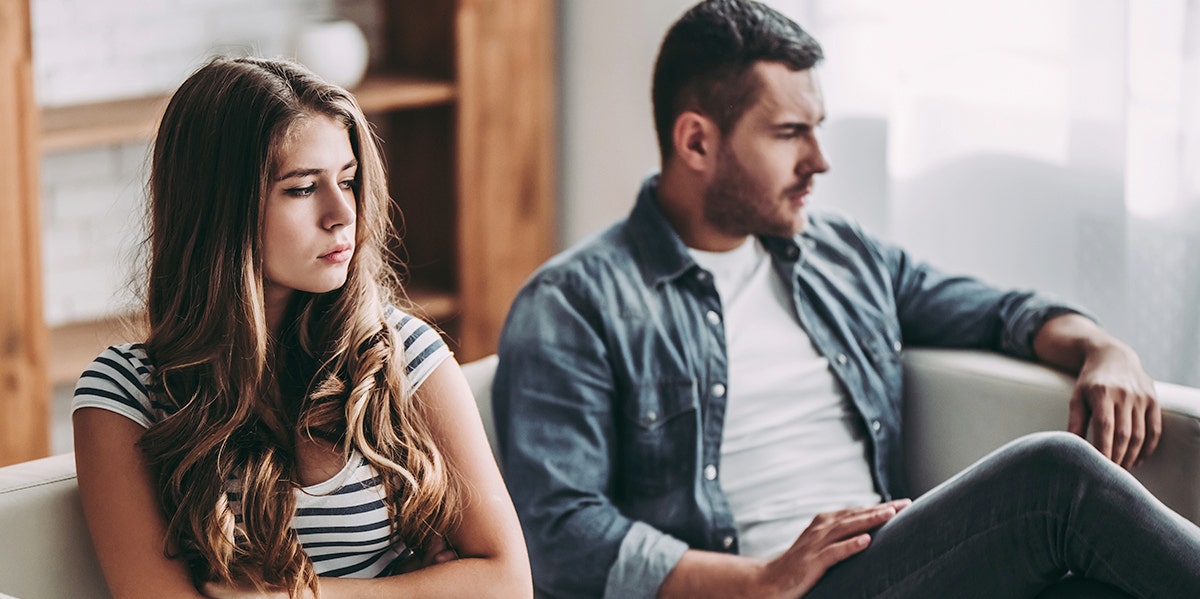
column 1058, row 452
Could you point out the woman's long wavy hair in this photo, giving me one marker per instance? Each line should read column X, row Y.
column 243, row 394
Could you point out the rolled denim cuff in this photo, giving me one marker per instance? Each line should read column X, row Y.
column 644, row 560
column 1033, row 313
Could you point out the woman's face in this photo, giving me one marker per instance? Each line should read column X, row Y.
column 309, row 213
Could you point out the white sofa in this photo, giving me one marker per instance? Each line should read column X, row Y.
column 960, row 405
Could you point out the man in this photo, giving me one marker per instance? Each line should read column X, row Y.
column 693, row 403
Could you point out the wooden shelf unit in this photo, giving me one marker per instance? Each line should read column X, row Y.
column 24, row 393
column 135, row 119
column 464, row 104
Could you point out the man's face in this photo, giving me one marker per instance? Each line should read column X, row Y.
column 767, row 161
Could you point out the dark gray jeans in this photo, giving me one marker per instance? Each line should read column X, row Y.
column 1014, row 524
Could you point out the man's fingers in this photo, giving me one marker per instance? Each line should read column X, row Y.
column 841, row 550
column 1102, row 428
column 1077, row 417
column 1123, row 425
column 1153, row 430
column 1137, row 437
column 861, row 522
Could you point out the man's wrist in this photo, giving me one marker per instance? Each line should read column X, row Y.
column 764, row 578
column 708, row 574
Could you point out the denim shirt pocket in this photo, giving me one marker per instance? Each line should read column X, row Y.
column 880, row 341
column 881, row 344
column 661, row 425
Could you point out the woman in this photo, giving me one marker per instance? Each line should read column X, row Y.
column 284, row 430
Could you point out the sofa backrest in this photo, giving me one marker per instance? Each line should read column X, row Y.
column 480, row 374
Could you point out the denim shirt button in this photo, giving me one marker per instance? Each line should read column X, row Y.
column 727, row 542
column 718, row 390
column 651, row 417
column 713, row 317
column 897, row 346
column 876, row 426
column 792, row 252
column 702, row 276
column 710, row 472
column 841, row 359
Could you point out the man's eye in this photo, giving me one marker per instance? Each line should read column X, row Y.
column 301, row 192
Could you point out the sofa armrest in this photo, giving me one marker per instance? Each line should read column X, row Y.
column 479, row 374
column 45, row 550
column 959, row 405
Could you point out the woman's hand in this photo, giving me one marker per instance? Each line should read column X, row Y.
column 214, row 590
column 439, row 552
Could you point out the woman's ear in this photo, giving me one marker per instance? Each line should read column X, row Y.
column 696, row 138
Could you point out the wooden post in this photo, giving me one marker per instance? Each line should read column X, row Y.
column 505, row 161
column 24, row 392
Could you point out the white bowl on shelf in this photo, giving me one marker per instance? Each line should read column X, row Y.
column 335, row 50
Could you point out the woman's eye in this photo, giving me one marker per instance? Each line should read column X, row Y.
column 301, row 192
column 347, row 184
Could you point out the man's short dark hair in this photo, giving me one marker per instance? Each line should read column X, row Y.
column 706, row 60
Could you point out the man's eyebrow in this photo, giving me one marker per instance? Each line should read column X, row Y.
column 305, row 172
column 797, row 125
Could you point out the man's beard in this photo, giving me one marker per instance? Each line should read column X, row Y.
column 737, row 205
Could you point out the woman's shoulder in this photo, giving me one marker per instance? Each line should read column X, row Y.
column 424, row 348
column 119, row 380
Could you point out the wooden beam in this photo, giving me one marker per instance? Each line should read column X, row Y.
column 505, row 158
column 24, row 393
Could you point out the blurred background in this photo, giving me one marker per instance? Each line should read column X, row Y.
column 1048, row 144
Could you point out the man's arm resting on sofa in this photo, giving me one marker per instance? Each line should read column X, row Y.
column 1113, row 395
column 960, row 405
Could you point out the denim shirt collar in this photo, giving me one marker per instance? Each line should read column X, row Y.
column 663, row 255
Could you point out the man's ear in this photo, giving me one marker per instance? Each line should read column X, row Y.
column 696, row 138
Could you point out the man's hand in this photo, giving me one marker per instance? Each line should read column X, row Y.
column 1115, row 399
column 1113, row 403
column 831, row 538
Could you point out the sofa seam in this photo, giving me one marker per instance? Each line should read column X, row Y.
column 36, row 484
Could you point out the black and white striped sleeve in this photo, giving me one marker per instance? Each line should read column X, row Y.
column 117, row 381
column 424, row 349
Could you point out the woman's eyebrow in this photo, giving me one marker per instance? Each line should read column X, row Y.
column 300, row 172
column 304, row 172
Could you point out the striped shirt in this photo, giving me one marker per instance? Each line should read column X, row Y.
column 342, row 523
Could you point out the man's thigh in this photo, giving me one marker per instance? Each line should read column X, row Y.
column 992, row 531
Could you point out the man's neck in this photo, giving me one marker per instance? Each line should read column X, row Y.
column 681, row 199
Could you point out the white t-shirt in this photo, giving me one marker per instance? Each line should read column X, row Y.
column 793, row 445
column 342, row 523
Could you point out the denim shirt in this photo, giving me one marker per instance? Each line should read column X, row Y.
column 609, row 395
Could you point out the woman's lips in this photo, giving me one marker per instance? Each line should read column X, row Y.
column 338, row 255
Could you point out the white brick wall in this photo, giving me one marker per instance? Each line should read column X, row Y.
column 95, row 50
column 92, row 206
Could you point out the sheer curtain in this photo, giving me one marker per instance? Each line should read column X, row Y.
column 1048, row 144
